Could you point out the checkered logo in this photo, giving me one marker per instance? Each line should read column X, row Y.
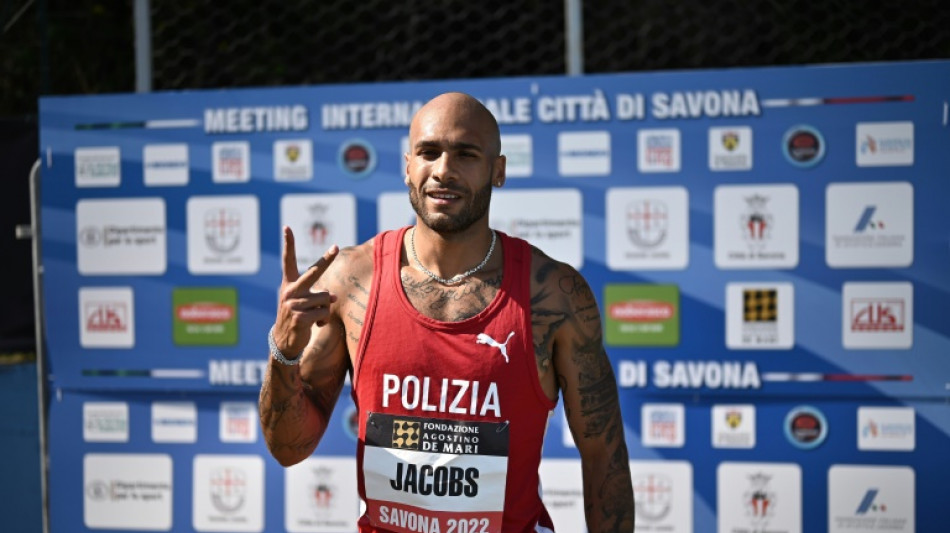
column 760, row 305
column 406, row 434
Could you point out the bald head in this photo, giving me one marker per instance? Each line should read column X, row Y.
column 457, row 110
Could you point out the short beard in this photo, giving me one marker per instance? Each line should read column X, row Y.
column 457, row 223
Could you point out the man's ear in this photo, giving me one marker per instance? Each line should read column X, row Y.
column 498, row 179
column 405, row 178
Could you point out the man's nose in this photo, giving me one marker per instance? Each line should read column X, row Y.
column 443, row 168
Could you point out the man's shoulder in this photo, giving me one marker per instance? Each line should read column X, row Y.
column 351, row 264
column 554, row 281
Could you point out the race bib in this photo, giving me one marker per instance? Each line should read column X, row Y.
column 433, row 475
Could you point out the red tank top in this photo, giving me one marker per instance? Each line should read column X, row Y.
column 451, row 414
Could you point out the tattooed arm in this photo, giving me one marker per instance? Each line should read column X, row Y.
column 296, row 401
column 574, row 341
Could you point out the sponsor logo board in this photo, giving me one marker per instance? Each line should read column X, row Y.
column 760, row 316
column 98, row 166
column 228, row 493
column 756, row 226
column 320, row 495
column 394, row 211
column 647, row 228
column 583, row 153
column 165, row 164
column 127, row 491
column 803, row 146
column 121, row 236
column 759, row 497
column 174, row 422
column 319, row 221
column 293, row 160
column 884, row 144
column 877, row 315
column 357, row 158
column 106, row 317
column 730, row 149
column 223, row 234
column 642, row 315
column 519, row 155
column 869, row 224
column 105, row 422
column 663, row 495
column 886, row 429
column 733, row 426
column 238, row 421
column 204, row 316
column 658, row 150
column 551, row 219
column 805, row 427
column 662, row 425
column 562, row 495
column 231, row 162
column 871, row 498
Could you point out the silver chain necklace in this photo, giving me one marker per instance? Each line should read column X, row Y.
column 458, row 277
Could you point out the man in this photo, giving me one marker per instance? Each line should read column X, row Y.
column 459, row 340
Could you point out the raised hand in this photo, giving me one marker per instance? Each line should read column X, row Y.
column 299, row 306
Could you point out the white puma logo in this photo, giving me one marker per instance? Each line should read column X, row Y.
column 483, row 338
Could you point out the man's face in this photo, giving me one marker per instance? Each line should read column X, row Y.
column 451, row 167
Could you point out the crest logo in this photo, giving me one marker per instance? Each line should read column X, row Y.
column 647, row 223
column 730, row 140
column 654, row 496
column 756, row 221
column 293, row 153
column 222, row 229
column 733, row 419
column 759, row 499
column 228, row 489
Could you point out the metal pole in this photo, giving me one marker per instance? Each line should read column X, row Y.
column 40, row 344
column 574, row 37
column 143, row 47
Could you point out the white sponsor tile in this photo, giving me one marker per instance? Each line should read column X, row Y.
column 319, row 221
column 884, row 144
column 869, row 224
column 238, row 421
column 663, row 495
column 760, row 316
column 871, row 498
column 550, row 219
column 663, row 425
column 105, row 422
column 730, row 148
column 165, row 164
column 519, row 155
column 223, row 234
column 887, row 429
column 99, row 166
column 174, row 422
column 756, row 226
column 320, row 495
column 121, row 236
column 228, row 493
column 293, row 160
column 759, row 497
column 877, row 315
column 106, row 317
column 127, row 491
column 647, row 228
column 561, row 493
column 583, row 153
column 394, row 211
column 733, row 426
column 658, row 150
column 231, row 162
